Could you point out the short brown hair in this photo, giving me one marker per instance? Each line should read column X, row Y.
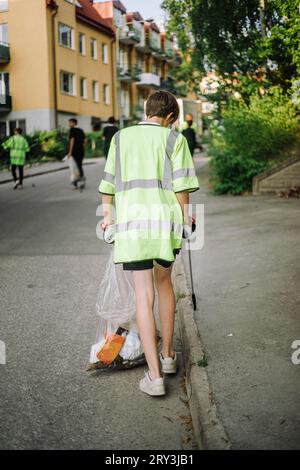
column 161, row 103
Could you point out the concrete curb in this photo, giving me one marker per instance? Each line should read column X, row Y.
column 209, row 430
column 44, row 172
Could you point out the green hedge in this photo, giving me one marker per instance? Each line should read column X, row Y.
column 250, row 138
column 53, row 145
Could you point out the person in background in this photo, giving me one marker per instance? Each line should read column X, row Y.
column 77, row 141
column 108, row 132
column 18, row 146
column 190, row 134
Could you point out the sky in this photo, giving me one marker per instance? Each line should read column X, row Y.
column 147, row 8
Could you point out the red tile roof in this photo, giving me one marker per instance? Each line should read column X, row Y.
column 119, row 5
column 89, row 14
column 135, row 15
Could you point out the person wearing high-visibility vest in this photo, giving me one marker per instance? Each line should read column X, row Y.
column 18, row 147
column 150, row 172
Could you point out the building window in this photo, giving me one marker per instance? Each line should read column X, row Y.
column 3, row 128
column 22, row 124
column 4, row 33
column 94, row 53
column 96, row 91
column 106, row 97
column 83, row 88
column 3, row 5
column 156, row 68
column 12, row 127
column 105, row 53
column 81, row 44
column 4, row 84
column 65, row 35
column 67, row 83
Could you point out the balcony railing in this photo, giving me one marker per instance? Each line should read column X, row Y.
column 149, row 80
column 4, row 53
column 143, row 45
column 130, row 36
column 153, row 44
column 5, row 103
column 131, row 74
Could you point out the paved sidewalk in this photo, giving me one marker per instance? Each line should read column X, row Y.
column 38, row 169
column 247, row 283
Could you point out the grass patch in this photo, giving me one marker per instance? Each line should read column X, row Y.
column 204, row 361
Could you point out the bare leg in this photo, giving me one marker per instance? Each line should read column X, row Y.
column 166, row 299
column 144, row 292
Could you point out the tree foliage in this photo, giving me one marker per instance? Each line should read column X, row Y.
column 251, row 138
column 238, row 36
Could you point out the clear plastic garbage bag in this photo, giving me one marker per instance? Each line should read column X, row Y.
column 116, row 297
column 118, row 345
column 74, row 170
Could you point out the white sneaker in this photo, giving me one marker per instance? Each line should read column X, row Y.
column 152, row 387
column 168, row 364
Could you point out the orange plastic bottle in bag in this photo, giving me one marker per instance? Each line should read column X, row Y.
column 113, row 345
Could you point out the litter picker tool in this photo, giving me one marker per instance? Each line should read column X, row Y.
column 191, row 276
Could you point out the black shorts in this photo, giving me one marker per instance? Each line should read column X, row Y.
column 148, row 263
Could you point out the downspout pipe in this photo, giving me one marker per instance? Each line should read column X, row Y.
column 53, row 15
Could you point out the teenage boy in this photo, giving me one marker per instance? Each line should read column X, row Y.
column 150, row 173
column 77, row 140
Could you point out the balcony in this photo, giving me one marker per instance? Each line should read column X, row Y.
column 143, row 45
column 170, row 55
column 158, row 53
column 154, row 45
column 5, row 103
column 4, row 53
column 128, row 75
column 130, row 36
column 150, row 80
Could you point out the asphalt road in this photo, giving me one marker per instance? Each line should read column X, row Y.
column 247, row 282
column 51, row 267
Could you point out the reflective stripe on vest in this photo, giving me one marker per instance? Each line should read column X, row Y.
column 142, row 182
column 109, row 177
column 154, row 225
column 184, row 172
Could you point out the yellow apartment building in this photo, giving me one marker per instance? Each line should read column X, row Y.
column 56, row 61
column 88, row 59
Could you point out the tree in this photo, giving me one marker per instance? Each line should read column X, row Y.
column 252, row 38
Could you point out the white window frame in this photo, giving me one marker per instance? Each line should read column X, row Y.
column 72, row 75
column 4, row 33
column 83, row 81
column 3, row 5
column 95, row 90
column 94, row 48
column 82, row 44
column 106, row 94
column 105, row 58
column 3, row 82
column 71, row 46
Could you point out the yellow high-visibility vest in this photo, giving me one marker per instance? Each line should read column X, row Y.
column 146, row 165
